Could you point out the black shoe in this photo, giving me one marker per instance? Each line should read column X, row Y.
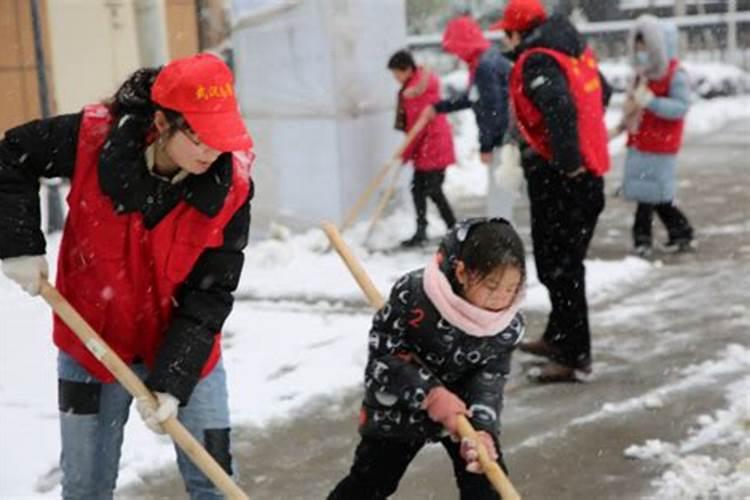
column 680, row 245
column 418, row 240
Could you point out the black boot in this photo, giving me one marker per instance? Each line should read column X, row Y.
column 419, row 238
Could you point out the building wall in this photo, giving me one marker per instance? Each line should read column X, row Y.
column 182, row 28
column 19, row 91
column 94, row 49
column 98, row 43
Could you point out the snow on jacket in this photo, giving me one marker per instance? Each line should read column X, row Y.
column 650, row 177
column 487, row 93
column 203, row 300
column 474, row 367
column 433, row 148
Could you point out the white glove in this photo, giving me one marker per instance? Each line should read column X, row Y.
column 643, row 96
column 28, row 271
column 509, row 174
column 154, row 416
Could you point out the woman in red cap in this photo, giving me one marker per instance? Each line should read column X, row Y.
column 558, row 98
column 159, row 214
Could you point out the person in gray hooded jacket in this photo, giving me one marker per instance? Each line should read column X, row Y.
column 654, row 119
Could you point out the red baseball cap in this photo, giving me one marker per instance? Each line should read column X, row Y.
column 200, row 87
column 521, row 15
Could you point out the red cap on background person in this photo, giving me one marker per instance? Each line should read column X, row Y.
column 521, row 15
column 200, row 87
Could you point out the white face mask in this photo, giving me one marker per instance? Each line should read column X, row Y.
column 642, row 58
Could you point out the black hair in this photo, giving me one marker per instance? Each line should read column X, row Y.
column 491, row 245
column 639, row 37
column 134, row 98
column 402, row 60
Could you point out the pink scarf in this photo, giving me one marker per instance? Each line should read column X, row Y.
column 473, row 320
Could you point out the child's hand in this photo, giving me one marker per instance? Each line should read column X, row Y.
column 444, row 407
column 470, row 452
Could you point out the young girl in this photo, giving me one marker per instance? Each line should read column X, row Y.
column 431, row 152
column 440, row 348
column 159, row 214
column 654, row 119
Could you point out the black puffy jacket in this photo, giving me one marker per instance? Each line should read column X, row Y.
column 474, row 368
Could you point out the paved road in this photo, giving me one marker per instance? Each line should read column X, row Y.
column 559, row 443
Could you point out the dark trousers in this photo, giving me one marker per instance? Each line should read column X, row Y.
column 379, row 465
column 678, row 227
column 430, row 184
column 564, row 213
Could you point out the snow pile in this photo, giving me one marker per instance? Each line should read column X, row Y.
column 690, row 470
column 712, row 79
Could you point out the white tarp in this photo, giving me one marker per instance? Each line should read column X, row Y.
column 318, row 99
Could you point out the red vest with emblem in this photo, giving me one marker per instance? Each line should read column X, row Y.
column 656, row 134
column 121, row 277
column 585, row 88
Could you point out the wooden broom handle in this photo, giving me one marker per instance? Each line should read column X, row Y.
column 125, row 376
column 491, row 469
column 382, row 204
column 351, row 215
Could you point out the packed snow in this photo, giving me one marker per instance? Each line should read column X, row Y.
column 689, row 468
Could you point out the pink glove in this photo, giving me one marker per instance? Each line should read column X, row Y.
column 444, row 407
column 470, row 452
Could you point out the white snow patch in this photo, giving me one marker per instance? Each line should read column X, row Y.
column 690, row 470
column 733, row 359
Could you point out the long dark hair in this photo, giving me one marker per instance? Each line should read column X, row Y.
column 134, row 98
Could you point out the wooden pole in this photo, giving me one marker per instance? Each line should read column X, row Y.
column 387, row 195
column 491, row 469
column 351, row 215
column 125, row 376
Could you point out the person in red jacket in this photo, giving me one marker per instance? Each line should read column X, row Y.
column 159, row 214
column 431, row 151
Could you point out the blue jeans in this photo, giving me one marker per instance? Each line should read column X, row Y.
column 92, row 417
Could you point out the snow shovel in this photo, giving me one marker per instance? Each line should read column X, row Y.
column 125, row 376
column 491, row 469
column 351, row 216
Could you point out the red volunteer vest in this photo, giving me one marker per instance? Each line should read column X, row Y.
column 656, row 134
column 582, row 75
column 121, row 277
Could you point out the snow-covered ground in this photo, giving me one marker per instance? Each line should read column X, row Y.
column 691, row 471
column 278, row 354
column 294, row 336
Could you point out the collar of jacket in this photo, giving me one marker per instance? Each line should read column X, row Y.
column 125, row 178
column 556, row 33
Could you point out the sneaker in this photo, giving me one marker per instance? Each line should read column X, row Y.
column 680, row 245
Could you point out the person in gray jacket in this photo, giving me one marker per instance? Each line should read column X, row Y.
column 654, row 119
